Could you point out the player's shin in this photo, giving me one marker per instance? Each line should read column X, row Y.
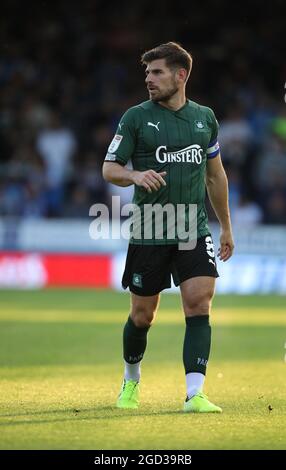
column 134, row 345
column 196, row 352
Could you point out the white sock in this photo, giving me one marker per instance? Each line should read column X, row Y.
column 132, row 371
column 195, row 383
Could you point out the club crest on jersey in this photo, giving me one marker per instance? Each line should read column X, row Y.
column 199, row 124
column 191, row 154
column 115, row 143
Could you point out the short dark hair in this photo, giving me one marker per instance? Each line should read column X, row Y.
column 174, row 55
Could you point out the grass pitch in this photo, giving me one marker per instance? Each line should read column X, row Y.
column 61, row 370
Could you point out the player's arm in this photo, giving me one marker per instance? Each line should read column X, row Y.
column 122, row 176
column 120, row 150
column 217, row 187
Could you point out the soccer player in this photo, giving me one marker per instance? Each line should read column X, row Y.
column 172, row 143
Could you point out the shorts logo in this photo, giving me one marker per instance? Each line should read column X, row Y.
column 115, row 143
column 210, row 247
column 137, row 280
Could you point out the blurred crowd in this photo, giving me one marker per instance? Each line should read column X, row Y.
column 69, row 71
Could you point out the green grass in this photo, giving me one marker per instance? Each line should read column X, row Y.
column 61, row 369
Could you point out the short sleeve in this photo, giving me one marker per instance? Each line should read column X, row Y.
column 123, row 144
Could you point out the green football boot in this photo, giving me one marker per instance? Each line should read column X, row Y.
column 199, row 403
column 129, row 395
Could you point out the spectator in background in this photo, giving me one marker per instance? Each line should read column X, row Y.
column 271, row 165
column 78, row 204
column 90, row 176
column 101, row 135
column 261, row 115
column 235, row 136
column 56, row 145
column 275, row 210
column 247, row 212
column 35, row 204
column 234, row 186
column 279, row 124
column 12, row 197
column 34, row 114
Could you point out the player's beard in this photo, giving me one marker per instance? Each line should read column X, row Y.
column 167, row 94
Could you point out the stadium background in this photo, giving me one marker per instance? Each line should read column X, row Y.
column 68, row 70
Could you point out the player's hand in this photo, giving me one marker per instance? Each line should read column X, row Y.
column 150, row 179
column 226, row 245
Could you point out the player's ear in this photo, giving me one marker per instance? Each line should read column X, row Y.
column 182, row 75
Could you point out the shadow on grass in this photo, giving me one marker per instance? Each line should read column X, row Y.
column 76, row 415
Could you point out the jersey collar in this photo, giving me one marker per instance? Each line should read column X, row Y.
column 174, row 112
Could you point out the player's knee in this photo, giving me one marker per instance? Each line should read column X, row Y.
column 199, row 304
column 142, row 321
column 142, row 317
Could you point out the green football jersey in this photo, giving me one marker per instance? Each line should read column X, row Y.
column 178, row 142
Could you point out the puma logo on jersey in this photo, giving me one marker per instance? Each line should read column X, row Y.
column 154, row 125
column 120, row 125
column 211, row 261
